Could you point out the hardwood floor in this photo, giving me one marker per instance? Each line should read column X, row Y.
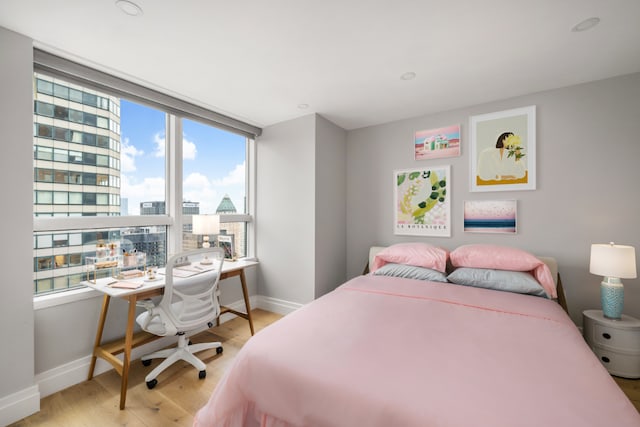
column 179, row 393
column 174, row 401
column 631, row 388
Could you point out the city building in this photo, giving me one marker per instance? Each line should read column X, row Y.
column 76, row 150
column 76, row 173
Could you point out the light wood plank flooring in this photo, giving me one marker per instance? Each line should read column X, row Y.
column 178, row 395
column 631, row 388
column 174, row 401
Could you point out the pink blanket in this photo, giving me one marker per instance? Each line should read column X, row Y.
column 382, row 351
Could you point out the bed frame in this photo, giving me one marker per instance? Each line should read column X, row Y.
column 551, row 263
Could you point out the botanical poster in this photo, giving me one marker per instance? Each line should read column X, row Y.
column 422, row 202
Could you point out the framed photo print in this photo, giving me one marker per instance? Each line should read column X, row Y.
column 225, row 241
column 422, row 204
column 490, row 216
column 503, row 150
column 437, row 143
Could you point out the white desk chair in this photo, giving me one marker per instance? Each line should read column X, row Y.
column 188, row 305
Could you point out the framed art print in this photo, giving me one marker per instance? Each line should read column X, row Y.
column 437, row 143
column 503, row 150
column 490, row 216
column 225, row 241
column 422, row 204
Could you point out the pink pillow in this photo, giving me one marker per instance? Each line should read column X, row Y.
column 504, row 258
column 416, row 254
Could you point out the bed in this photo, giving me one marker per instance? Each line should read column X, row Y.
column 384, row 350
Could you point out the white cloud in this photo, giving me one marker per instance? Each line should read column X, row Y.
column 159, row 141
column 189, row 149
column 128, row 153
column 150, row 189
column 236, row 176
column 198, row 188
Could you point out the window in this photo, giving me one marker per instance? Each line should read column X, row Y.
column 214, row 180
column 100, row 174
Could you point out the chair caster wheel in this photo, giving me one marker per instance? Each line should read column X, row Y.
column 151, row 384
column 202, row 374
column 219, row 350
column 146, row 362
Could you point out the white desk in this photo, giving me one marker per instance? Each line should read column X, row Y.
column 108, row 351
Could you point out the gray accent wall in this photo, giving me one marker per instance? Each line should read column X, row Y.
column 588, row 154
column 331, row 210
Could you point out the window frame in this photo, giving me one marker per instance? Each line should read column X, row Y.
column 175, row 111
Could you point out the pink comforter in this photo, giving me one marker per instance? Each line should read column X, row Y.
column 382, row 351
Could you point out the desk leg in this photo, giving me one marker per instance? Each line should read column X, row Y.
column 247, row 302
column 103, row 318
column 128, row 339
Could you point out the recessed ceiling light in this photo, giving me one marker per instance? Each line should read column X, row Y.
column 585, row 25
column 408, row 76
column 303, row 106
column 129, row 7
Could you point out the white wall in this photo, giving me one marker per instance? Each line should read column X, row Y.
column 285, row 210
column 17, row 390
column 301, row 214
column 588, row 148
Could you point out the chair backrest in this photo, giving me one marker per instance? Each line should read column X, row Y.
column 190, row 297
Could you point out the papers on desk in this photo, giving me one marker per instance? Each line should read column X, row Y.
column 190, row 270
column 110, row 282
column 125, row 285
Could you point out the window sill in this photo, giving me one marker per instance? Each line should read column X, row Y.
column 66, row 297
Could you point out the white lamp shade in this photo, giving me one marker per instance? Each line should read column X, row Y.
column 206, row 224
column 610, row 260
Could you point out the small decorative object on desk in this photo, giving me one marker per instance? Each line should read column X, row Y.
column 113, row 248
column 133, row 265
column 225, row 241
column 101, row 250
column 129, row 274
column 182, row 261
column 97, row 267
column 152, row 271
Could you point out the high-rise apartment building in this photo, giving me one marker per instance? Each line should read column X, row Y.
column 76, row 150
column 76, row 173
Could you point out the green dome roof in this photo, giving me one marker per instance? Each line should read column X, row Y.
column 226, row 206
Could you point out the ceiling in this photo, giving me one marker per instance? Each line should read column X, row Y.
column 261, row 60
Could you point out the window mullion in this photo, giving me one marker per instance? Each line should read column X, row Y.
column 173, row 193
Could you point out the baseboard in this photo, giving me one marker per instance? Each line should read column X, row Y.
column 18, row 405
column 76, row 371
column 276, row 305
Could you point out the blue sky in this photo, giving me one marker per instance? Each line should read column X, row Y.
column 214, row 160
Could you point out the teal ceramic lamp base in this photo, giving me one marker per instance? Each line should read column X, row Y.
column 612, row 297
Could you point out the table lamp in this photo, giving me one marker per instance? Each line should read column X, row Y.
column 206, row 225
column 613, row 262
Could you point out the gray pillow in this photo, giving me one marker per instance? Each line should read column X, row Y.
column 410, row 272
column 499, row 280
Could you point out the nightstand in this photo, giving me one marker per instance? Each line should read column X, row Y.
column 615, row 342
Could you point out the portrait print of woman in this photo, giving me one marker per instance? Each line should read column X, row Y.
column 503, row 150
